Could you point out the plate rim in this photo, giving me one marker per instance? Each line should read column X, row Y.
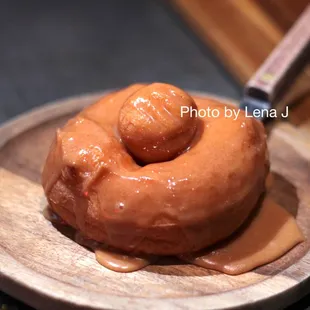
column 9, row 276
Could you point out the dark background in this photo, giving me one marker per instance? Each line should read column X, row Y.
column 55, row 49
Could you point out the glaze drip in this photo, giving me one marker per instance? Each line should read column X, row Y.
column 206, row 191
column 114, row 259
column 266, row 236
column 118, row 261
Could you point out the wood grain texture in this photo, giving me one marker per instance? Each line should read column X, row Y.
column 239, row 31
column 45, row 268
column 243, row 33
column 284, row 12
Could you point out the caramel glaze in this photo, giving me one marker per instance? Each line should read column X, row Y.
column 118, row 261
column 151, row 124
column 199, row 198
column 188, row 204
column 167, row 208
column 267, row 235
column 114, row 259
column 106, row 256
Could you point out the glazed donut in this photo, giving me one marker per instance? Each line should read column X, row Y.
column 103, row 177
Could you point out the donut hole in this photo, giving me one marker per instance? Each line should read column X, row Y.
column 152, row 126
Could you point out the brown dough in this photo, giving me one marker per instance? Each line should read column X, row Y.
column 186, row 204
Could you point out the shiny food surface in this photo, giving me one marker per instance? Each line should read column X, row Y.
column 266, row 236
column 152, row 124
column 200, row 197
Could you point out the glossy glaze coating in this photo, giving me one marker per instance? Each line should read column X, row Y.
column 267, row 235
column 200, row 197
column 152, row 124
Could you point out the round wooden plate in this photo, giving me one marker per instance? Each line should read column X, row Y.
column 43, row 267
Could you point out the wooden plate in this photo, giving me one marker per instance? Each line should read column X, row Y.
column 46, row 269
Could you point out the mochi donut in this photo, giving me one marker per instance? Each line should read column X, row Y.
column 134, row 172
